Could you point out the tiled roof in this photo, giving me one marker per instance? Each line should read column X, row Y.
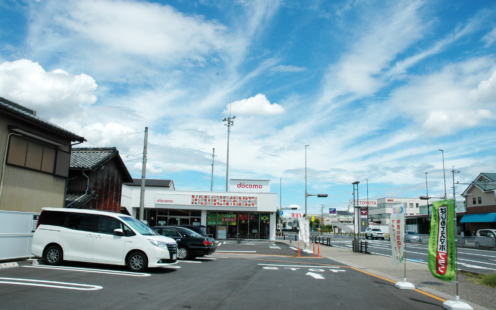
column 485, row 186
column 77, row 200
column 91, row 157
column 151, row 183
column 28, row 115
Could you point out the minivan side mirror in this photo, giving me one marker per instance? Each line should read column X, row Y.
column 118, row 232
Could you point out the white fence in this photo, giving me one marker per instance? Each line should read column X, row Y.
column 16, row 233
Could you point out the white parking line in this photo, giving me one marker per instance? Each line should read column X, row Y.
column 103, row 271
column 305, row 266
column 236, row 251
column 189, row 261
column 51, row 284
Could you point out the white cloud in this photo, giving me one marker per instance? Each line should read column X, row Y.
column 141, row 28
column 386, row 35
column 52, row 93
column 258, row 105
column 150, row 169
column 490, row 37
column 282, row 68
column 458, row 96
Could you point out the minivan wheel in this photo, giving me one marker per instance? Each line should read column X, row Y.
column 53, row 255
column 137, row 261
column 182, row 253
column 477, row 244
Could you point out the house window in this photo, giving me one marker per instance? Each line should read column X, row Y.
column 480, row 200
column 35, row 156
column 474, row 200
column 411, row 205
column 417, row 205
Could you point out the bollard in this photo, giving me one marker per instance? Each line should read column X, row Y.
column 298, row 249
column 284, row 237
column 353, row 245
column 319, row 251
column 314, row 248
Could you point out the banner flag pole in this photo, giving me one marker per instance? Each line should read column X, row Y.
column 398, row 244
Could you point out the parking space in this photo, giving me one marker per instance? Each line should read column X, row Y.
column 243, row 276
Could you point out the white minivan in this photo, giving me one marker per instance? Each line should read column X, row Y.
column 100, row 237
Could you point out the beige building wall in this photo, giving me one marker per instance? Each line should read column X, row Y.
column 488, row 199
column 24, row 189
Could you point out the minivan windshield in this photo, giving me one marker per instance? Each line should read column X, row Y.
column 138, row 226
column 376, row 229
column 412, row 232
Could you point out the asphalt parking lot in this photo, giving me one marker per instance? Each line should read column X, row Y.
column 245, row 276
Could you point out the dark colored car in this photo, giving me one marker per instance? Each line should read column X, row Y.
column 199, row 229
column 190, row 243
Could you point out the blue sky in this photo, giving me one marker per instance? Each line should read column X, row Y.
column 374, row 87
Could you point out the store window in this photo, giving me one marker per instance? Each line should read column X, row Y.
column 254, row 226
column 264, row 226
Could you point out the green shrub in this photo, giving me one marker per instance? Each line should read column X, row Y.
column 489, row 280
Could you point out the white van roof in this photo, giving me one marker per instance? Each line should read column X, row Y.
column 86, row 211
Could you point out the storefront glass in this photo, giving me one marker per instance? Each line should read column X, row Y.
column 264, row 226
column 254, row 223
column 243, row 226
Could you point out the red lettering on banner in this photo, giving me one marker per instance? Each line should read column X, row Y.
column 441, row 265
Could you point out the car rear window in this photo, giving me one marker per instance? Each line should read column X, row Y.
column 188, row 232
column 54, row 218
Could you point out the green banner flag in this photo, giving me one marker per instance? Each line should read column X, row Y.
column 441, row 257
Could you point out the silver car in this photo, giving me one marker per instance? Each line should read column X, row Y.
column 413, row 236
column 485, row 237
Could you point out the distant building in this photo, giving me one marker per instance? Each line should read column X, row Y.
column 95, row 179
column 35, row 160
column 382, row 213
column 480, row 201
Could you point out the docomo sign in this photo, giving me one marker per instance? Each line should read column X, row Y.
column 249, row 186
column 243, row 185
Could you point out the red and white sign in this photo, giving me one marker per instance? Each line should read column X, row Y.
column 249, row 186
column 390, row 200
column 363, row 213
column 296, row 215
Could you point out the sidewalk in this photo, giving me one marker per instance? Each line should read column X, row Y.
column 478, row 296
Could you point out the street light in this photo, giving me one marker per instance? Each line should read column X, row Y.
column 444, row 175
column 368, row 207
column 306, row 192
column 229, row 123
column 357, row 214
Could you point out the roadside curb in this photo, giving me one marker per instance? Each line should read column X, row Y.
column 9, row 265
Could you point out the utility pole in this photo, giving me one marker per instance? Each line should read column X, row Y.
column 306, row 193
column 229, row 123
column 444, row 175
column 212, row 181
column 143, row 177
column 322, row 224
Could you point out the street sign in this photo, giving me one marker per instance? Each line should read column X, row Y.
column 281, row 213
column 332, row 210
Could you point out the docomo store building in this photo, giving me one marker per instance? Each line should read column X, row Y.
column 247, row 210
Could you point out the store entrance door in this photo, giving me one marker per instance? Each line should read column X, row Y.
column 178, row 220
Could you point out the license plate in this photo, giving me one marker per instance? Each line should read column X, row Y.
column 174, row 256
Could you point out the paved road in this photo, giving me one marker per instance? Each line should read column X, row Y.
column 246, row 276
column 469, row 259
